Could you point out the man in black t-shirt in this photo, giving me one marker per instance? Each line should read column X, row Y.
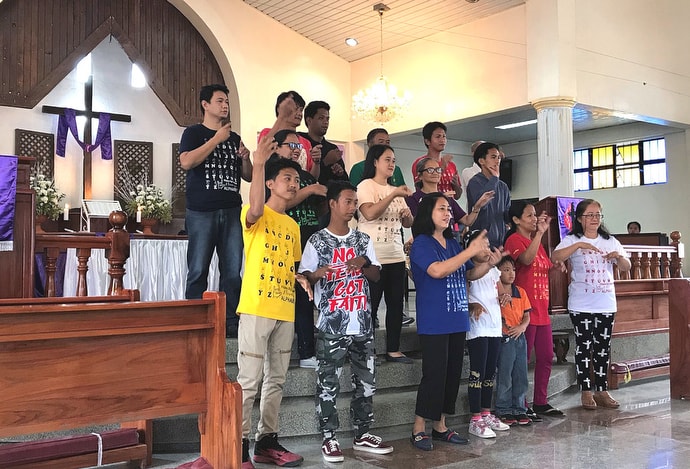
column 316, row 117
column 216, row 161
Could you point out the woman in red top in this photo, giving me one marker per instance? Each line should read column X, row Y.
column 532, row 264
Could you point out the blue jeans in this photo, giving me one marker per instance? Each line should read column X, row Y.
column 220, row 230
column 511, row 385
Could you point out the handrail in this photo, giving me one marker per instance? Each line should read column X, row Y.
column 116, row 245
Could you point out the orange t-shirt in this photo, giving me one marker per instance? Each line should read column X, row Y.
column 513, row 313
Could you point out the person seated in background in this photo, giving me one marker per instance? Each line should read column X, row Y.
column 634, row 227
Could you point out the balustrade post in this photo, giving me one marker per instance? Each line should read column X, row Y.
column 51, row 254
column 118, row 253
column 83, row 255
column 677, row 256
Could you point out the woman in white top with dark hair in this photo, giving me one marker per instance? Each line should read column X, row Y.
column 382, row 213
column 592, row 251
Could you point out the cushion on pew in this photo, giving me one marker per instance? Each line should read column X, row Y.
column 43, row 450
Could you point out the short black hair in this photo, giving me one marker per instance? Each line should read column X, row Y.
column 423, row 223
column 335, row 187
column 505, row 259
column 206, row 93
column 483, row 149
column 314, row 106
column 428, row 130
column 299, row 100
column 275, row 166
column 639, row 227
column 281, row 135
column 373, row 133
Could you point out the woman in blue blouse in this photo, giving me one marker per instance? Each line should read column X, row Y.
column 439, row 270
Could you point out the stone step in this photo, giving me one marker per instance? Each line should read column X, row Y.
column 394, row 404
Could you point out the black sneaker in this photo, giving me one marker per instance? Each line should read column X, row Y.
column 407, row 320
column 533, row 416
column 268, row 450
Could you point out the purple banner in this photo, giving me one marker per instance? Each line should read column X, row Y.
column 566, row 213
column 68, row 121
column 8, row 195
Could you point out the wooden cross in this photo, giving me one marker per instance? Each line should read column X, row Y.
column 90, row 114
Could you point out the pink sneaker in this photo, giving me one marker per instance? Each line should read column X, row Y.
column 481, row 429
column 495, row 423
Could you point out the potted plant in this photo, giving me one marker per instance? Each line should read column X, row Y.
column 148, row 203
column 48, row 199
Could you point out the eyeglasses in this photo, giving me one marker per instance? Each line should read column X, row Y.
column 596, row 216
column 438, row 170
column 293, row 145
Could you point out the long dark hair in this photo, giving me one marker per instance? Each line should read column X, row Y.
column 423, row 223
column 517, row 208
column 374, row 154
column 577, row 229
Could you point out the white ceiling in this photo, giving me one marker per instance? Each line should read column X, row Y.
column 329, row 22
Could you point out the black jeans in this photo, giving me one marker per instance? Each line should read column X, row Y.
column 441, row 369
column 483, row 353
column 391, row 283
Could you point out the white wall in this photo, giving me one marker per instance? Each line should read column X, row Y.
column 151, row 122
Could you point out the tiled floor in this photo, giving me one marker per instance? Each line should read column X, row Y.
column 648, row 431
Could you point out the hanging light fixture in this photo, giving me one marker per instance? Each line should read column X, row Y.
column 380, row 102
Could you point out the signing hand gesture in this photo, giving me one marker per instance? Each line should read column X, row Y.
column 304, row 283
column 402, row 191
column 484, row 199
column 476, row 310
column 265, row 148
column 223, row 133
column 543, row 221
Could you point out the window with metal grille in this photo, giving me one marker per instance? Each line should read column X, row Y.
column 620, row 165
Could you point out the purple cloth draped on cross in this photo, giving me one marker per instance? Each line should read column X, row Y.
column 68, row 120
column 8, row 195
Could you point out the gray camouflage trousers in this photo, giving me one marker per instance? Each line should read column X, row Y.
column 331, row 351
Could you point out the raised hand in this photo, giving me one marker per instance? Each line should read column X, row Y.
column 223, row 133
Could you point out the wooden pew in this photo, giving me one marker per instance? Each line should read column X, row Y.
column 679, row 338
column 75, row 364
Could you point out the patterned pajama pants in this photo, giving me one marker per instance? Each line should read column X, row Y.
column 592, row 348
column 331, row 351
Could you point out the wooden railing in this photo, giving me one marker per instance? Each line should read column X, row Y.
column 653, row 262
column 116, row 245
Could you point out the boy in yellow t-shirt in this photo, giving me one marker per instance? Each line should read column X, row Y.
column 267, row 301
column 512, row 360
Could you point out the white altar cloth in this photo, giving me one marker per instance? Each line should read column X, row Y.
column 157, row 267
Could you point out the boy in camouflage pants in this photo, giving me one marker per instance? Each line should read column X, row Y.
column 340, row 262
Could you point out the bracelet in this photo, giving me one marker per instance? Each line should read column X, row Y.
column 474, row 210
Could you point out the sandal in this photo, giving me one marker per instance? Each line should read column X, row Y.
column 547, row 410
column 588, row 401
column 604, row 399
column 421, row 441
column 449, row 436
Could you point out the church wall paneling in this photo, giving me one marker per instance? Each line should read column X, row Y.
column 45, row 39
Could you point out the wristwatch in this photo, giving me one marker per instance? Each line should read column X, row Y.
column 367, row 262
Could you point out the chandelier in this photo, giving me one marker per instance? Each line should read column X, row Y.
column 380, row 102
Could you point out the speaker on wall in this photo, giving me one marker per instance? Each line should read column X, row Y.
column 506, row 172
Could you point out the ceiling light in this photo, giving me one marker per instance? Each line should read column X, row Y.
column 516, row 124
column 380, row 102
column 351, row 41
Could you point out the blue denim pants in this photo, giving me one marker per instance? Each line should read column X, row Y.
column 511, row 385
column 220, row 230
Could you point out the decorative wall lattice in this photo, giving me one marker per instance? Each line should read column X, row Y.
column 133, row 162
column 39, row 145
column 179, row 182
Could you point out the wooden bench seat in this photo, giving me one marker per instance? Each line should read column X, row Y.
column 638, row 368
column 78, row 364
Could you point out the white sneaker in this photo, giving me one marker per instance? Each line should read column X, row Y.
column 494, row 423
column 481, row 429
column 310, row 362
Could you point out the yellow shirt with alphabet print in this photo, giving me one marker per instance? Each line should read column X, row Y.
column 271, row 248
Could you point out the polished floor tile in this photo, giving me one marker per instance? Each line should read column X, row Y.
column 648, row 431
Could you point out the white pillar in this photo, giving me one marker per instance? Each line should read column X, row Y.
column 555, row 145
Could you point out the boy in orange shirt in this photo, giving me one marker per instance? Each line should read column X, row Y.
column 512, row 360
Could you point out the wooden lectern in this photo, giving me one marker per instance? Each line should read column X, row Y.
column 18, row 265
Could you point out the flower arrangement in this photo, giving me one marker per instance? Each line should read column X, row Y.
column 147, row 198
column 47, row 196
